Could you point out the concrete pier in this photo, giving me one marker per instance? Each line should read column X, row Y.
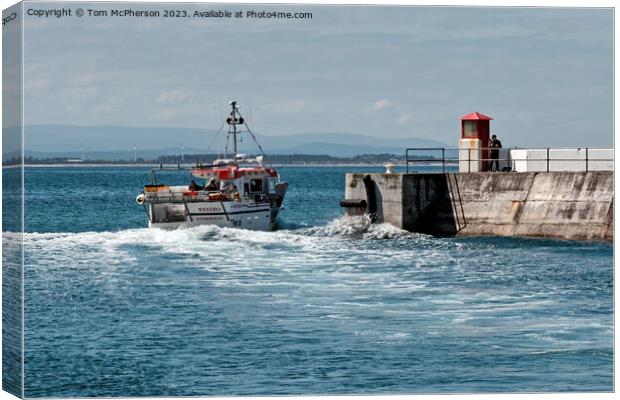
column 569, row 205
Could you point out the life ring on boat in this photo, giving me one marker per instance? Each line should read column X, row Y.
column 141, row 198
column 190, row 193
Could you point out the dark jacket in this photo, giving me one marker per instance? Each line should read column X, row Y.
column 495, row 144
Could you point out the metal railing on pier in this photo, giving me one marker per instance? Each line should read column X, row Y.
column 510, row 159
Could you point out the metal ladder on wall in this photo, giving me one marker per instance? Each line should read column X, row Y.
column 456, row 202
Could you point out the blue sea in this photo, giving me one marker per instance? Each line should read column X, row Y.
column 323, row 305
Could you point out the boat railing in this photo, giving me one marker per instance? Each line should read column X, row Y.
column 177, row 167
column 186, row 197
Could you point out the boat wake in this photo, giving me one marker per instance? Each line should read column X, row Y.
column 345, row 227
column 340, row 239
column 356, row 227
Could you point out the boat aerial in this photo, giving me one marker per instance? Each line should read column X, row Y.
column 237, row 192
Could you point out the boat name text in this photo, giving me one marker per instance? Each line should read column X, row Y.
column 208, row 209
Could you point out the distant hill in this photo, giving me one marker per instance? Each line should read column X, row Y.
column 116, row 142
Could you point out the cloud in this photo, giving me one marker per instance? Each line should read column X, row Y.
column 168, row 114
column 380, row 105
column 404, row 118
column 109, row 106
column 173, row 96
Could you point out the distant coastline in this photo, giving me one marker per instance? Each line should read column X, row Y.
column 189, row 160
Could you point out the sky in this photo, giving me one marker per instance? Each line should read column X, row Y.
column 544, row 74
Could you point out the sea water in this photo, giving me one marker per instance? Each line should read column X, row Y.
column 323, row 305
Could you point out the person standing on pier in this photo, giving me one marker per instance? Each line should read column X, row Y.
column 495, row 144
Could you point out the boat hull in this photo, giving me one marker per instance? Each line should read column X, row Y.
column 225, row 214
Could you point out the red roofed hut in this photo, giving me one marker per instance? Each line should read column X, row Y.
column 477, row 126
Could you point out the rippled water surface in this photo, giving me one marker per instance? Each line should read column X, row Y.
column 321, row 306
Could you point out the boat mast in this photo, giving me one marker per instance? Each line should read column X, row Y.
column 233, row 121
column 234, row 103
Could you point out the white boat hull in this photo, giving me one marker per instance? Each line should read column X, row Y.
column 226, row 214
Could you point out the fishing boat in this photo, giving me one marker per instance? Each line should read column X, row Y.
column 236, row 192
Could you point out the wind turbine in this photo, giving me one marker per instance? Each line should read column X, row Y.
column 135, row 154
column 82, row 148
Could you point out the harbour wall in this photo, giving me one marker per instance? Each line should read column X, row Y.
column 569, row 205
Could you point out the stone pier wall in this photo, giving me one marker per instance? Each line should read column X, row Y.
column 570, row 205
